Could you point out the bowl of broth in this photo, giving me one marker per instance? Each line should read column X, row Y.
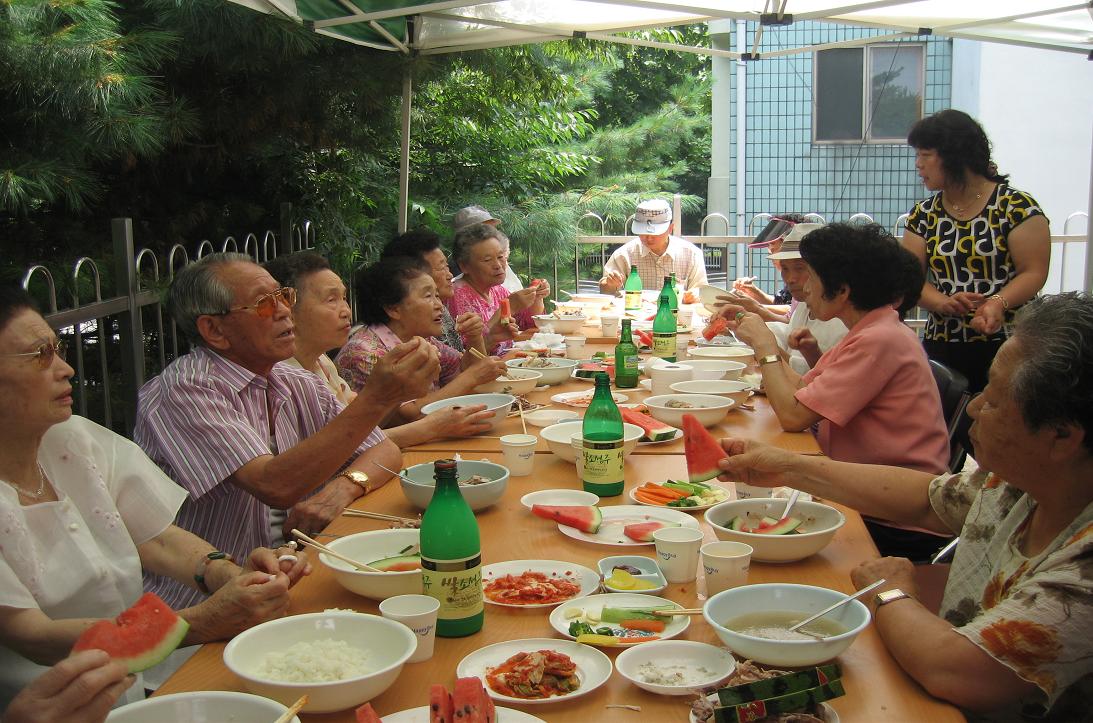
column 753, row 621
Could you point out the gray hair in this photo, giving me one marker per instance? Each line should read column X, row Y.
column 197, row 290
column 1053, row 384
column 470, row 236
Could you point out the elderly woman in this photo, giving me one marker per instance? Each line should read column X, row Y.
column 398, row 301
column 321, row 316
column 85, row 511
column 984, row 245
column 480, row 253
column 1015, row 630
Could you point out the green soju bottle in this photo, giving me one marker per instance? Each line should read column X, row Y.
column 601, row 452
column 673, row 296
column 626, row 359
column 664, row 326
column 632, row 291
column 451, row 556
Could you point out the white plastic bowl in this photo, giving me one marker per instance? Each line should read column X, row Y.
column 522, row 382
column 389, row 645
column 737, row 391
column 694, row 655
column 368, row 547
column 819, row 522
column 420, row 490
column 716, row 368
column 806, row 599
column 559, row 497
column 559, row 437
column 557, row 373
column 499, row 404
column 567, row 324
column 739, row 353
column 708, row 408
column 547, row 417
column 201, row 706
column 707, row 296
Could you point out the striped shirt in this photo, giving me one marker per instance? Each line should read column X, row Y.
column 681, row 258
column 205, row 417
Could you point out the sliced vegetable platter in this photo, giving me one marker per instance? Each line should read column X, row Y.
column 618, row 619
column 682, row 496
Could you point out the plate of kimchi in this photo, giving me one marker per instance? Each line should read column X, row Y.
column 537, row 670
column 536, row 583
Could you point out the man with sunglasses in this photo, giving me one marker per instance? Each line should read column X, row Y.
column 243, row 432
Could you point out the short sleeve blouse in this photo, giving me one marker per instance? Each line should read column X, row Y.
column 465, row 298
column 971, row 255
column 369, row 344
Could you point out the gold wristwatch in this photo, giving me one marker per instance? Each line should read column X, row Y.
column 888, row 596
column 770, row 359
column 357, row 477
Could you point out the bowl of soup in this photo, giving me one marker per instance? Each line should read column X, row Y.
column 753, row 621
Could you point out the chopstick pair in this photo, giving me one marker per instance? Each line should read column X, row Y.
column 292, row 710
column 315, row 544
column 479, row 355
column 348, row 512
column 670, row 613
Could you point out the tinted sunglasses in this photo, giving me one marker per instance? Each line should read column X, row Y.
column 45, row 353
column 266, row 304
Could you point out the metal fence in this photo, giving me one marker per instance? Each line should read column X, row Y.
column 119, row 341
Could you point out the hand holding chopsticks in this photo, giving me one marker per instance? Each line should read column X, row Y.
column 479, row 355
column 315, row 544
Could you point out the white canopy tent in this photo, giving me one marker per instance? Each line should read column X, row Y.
column 447, row 26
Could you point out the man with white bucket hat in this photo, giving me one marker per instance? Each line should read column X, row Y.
column 655, row 253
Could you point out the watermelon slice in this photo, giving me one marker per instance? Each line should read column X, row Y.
column 717, row 325
column 471, row 703
column 589, row 370
column 586, row 518
column 140, row 637
column 366, row 714
column 643, row 531
column 644, row 337
column 399, row 563
column 505, row 308
column 440, row 705
column 702, row 450
column 654, row 431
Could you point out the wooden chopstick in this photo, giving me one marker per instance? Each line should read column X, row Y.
column 670, row 613
column 323, row 548
column 292, row 710
column 475, row 353
column 348, row 512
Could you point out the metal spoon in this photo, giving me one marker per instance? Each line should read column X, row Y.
column 402, row 477
column 839, row 604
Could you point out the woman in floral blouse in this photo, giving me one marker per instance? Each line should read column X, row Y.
column 1014, row 637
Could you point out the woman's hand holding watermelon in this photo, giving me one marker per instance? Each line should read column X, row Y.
column 755, row 463
column 82, row 688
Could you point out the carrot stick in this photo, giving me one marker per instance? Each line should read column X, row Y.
column 649, row 626
column 664, row 491
column 642, row 497
column 658, row 495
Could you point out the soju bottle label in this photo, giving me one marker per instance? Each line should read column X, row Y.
column 632, row 300
column 630, row 363
column 602, row 462
column 664, row 345
column 457, row 584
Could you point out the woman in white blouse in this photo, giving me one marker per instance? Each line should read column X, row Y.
column 83, row 511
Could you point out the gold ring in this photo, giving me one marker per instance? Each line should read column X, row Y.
column 739, row 315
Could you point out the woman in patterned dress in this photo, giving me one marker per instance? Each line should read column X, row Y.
column 1013, row 639
column 984, row 245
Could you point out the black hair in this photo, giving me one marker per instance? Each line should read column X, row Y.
column 867, row 260
column 385, row 283
column 289, row 269
column 414, row 244
column 13, row 300
column 961, row 143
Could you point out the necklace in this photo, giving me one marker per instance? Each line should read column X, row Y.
column 961, row 208
column 37, row 494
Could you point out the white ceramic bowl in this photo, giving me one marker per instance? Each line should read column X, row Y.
column 547, row 417
column 559, row 497
column 593, row 298
column 819, row 525
column 420, row 491
column 716, row 368
column 676, row 653
column 708, row 408
column 368, row 547
column 707, row 296
column 499, row 404
column 388, row 643
column 737, row 391
column 201, row 705
column 739, row 353
column 556, row 373
column 522, row 382
column 805, row 599
column 559, row 437
column 566, row 324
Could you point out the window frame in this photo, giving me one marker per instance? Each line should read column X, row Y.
column 867, row 95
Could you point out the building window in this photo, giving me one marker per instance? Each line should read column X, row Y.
column 873, row 93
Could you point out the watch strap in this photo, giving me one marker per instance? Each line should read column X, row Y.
column 358, row 478
column 203, row 565
column 889, row 596
column 770, row 359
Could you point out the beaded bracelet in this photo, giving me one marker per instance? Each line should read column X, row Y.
column 1005, row 304
column 202, row 566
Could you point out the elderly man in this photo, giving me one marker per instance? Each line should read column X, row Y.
column 655, row 253
column 471, row 215
column 243, row 432
column 1015, row 630
column 805, row 337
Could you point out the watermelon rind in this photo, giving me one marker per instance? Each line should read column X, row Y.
column 388, row 564
column 655, row 431
column 140, row 637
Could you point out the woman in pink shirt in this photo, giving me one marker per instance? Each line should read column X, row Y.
column 872, row 396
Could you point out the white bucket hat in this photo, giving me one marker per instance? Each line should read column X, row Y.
column 652, row 218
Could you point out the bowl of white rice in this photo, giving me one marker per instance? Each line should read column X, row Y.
column 339, row 659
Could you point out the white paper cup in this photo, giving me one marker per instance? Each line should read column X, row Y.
column 662, row 376
column 677, row 552
column 519, row 451
column 417, row 612
column 574, row 347
column 609, row 325
column 726, row 565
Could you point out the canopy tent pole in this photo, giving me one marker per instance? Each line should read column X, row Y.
column 1089, row 232
column 404, row 155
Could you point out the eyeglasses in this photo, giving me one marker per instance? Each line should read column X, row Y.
column 45, row 353
column 266, row 304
